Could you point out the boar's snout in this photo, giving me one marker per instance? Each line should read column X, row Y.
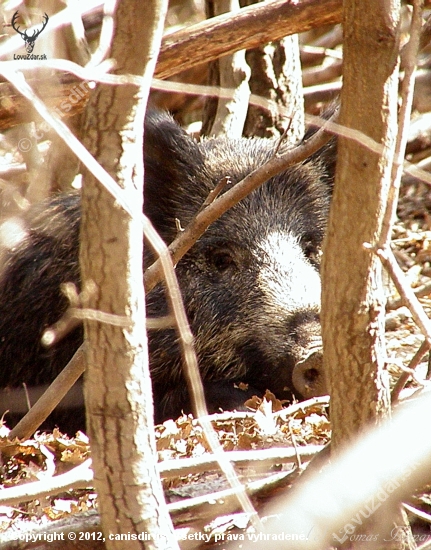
column 308, row 377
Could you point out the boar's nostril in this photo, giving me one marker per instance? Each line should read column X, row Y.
column 308, row 377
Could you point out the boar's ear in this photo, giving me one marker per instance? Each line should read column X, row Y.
column 173, row 162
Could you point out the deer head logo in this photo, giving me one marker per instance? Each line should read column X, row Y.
column 29, row 40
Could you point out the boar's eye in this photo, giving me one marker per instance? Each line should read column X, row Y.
column 220, row 259
column 312, row 252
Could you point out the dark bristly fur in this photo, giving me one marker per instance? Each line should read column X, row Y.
column 250, row 284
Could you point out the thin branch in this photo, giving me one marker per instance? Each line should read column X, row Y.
column 419, row 514
column 420, row 292
column 421, row 319
column 402, row 380
column 302, row 406
column 214, row 193
column 50, row 399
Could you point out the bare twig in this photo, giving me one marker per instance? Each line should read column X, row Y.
column 50, row 399
column 402, row 380
column 322, row 74
column 302, row 406
column 420, row 292
column 424, row 40
column 283, row 136
column 418, row 513
column 295, row 446
column 74, row 316
column 321, row 92
column 214, row 193
column 388, row 259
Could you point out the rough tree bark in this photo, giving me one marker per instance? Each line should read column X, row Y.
column 117, row 387
column 352, row 300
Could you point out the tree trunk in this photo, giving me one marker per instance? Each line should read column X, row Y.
column 117, row 386
column 352, row 299
column 275, row 76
